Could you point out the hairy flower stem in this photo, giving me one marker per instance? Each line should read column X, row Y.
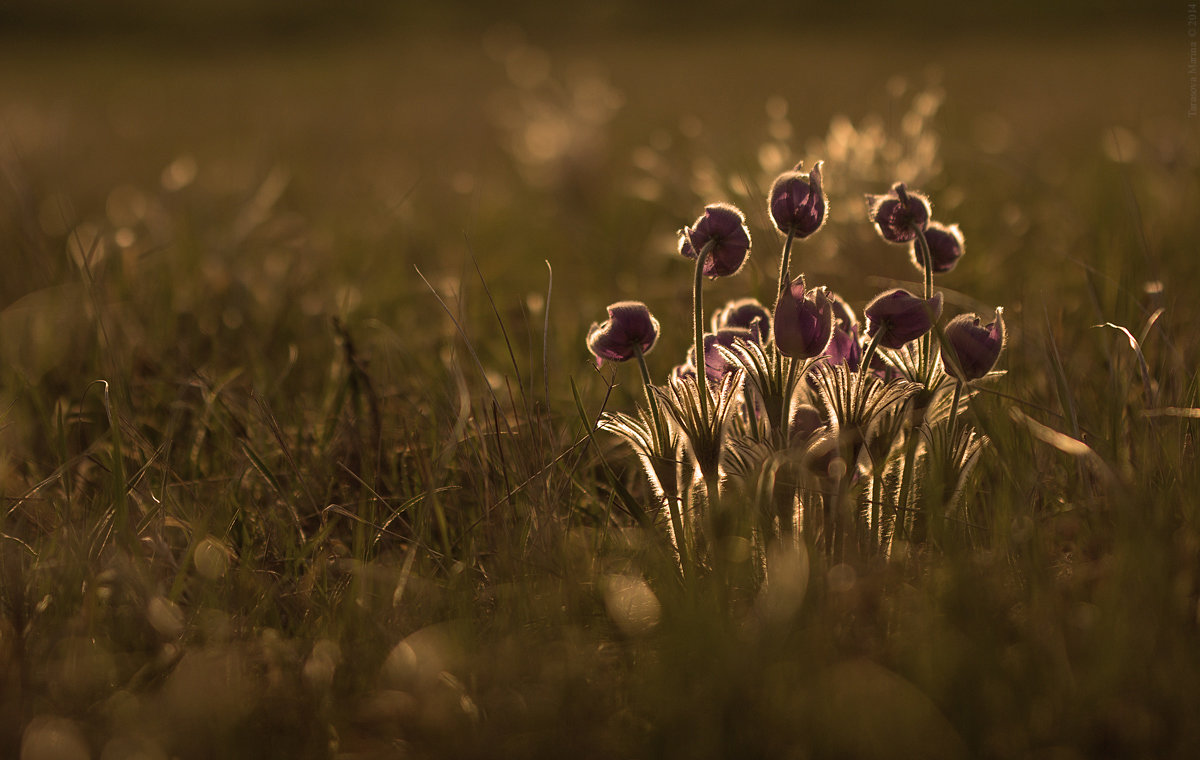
column 646, row 385
column 748, row 402
column 783, row 496
column 784, row 260
column 841, row 509
column 850, row 448
column 864, row 365
column 708, row 466
column 785, row 279
column 910, row 458
column 951, row 461
column 953, row 423
column 785, row 408
column 877, row 511
column 786, row 475
column 926, row 261
column 926, row 365
column 682, row 545
column 698, row 330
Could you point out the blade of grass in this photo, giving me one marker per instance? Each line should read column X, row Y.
column 277, row 433
column 462, row 333
column 1147, row 383
column 119, row 483
column 546, row 331
column 1061, row 385
column 257, row 463
column 626, row 498
column 512, row 357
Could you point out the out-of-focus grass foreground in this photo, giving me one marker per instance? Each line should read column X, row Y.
column 298, row 429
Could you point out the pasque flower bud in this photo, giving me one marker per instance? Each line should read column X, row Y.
column 898, row 316
column 975, row 347
column 746, row 313
column 843, row 347
column 945, row 247
column 899, row 214
column 797, row 202
column 803, row 321
column 725, row 227
column 629, row 326
column 716, row 364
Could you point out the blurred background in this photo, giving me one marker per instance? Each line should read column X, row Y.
column 306, row 156
column 222, row 18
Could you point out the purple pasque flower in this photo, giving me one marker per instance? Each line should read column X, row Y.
column 844, row 346
column 898, row 316
column 747, row 313
column 797, row 202
column 945, row 247
column 629, row 326
column 725, row 227
column 899, row 214
column 716, row 364
column 803, row 321
column 843, row 315
column 976, row 347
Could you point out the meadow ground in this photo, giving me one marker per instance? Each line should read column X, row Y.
column 295, row 402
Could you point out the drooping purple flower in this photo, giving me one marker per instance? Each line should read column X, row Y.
column 844, row 346
column 716, row 364
column 976, row 347
column 797, row 202
column 899, row 214
column 945, row 247
column 747, row 313
column 725, row 227
column 898, row 316
column 803, row 321
column 843, row 315
column 629, row 326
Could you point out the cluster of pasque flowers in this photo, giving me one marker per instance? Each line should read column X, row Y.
column 803, row 419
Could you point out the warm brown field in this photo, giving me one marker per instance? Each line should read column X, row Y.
column 315, row 516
